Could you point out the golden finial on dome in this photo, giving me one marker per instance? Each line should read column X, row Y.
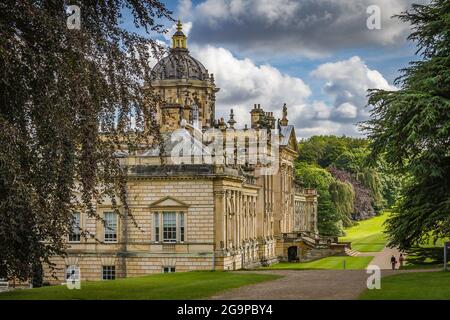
column 179, row 38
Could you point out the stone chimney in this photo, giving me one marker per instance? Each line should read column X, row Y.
column 255, row 116
column 270, row 120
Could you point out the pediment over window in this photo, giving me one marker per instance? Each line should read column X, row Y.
column 168, row 202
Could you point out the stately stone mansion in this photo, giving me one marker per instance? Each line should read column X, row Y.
column 199, row 215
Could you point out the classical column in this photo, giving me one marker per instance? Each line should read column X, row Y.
column 255, row 222
column 233, row 192
column 238, row 217
column 316, row 230
column 244, row 217
column 224, row 220
column 227, row 217
column 308, row 216
column 282, row 218
column 220, row 219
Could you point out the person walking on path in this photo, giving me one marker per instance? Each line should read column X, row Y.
column 401, row 259
column 393, row 262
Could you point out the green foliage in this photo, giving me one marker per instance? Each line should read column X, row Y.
column 59, row 89
column 313, row 176
column 324, row 150
column 353, row 160
column 343, row 197
column 357, row 190
column 391, row 186
column 372, row 181
column 328, row 219
column 363, row 202
column 410, row 130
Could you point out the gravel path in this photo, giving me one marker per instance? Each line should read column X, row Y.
column 307, row 285
column 316, row 284
column 382, row 258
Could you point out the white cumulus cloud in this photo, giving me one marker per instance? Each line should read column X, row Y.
column 302, row 27
column 347, row 82
column 243, row 83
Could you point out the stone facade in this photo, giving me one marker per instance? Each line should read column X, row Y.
column 197, row 216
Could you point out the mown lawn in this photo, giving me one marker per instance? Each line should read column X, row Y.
column 427, row 256
column 412, row 286
column 328, row 263
column 367, row 235
column 183, row 285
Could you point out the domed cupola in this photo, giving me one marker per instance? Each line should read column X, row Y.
column 187, row 92
column 179, row 64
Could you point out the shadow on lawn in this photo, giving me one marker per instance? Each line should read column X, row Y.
column 423, row 257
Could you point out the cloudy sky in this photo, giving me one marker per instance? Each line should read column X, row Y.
column 318, row 56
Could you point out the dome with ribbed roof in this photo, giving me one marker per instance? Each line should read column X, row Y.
column 179, row 65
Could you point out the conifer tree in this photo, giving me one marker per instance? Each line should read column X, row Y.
column 410, row 129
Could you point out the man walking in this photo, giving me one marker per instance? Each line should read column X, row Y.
column 393, row 262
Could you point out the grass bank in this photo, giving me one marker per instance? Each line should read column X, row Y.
column 328, row 263
column 367, row 235
column 183, row 286
column 412, row 286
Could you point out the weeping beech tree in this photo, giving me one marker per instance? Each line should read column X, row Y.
column 329, row 220
column 371, row 180
column 58, row 86
column 343, row 197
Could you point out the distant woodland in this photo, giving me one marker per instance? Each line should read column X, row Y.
column 349, row 188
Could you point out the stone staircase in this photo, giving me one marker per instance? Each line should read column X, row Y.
column 316, row 246
column 320, row 247
column 351, row 252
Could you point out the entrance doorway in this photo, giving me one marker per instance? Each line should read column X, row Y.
column 292, row 254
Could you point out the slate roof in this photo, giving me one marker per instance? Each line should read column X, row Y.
column 286, row 131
